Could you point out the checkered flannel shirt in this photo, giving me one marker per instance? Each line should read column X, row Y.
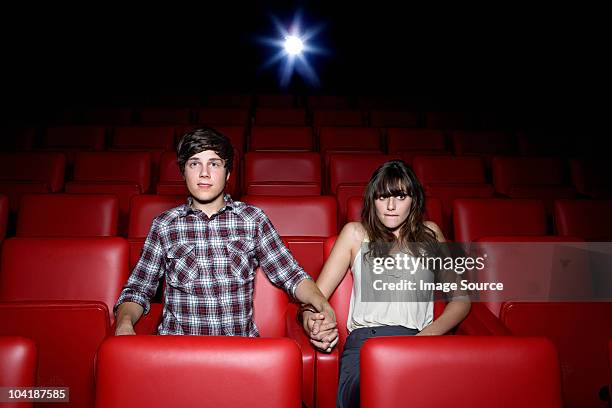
column 209, row 265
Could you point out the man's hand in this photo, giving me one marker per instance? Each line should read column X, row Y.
column 125, row 328
column 321, row 328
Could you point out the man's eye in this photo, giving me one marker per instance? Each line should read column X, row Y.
column 214, row 164
column 193, row 164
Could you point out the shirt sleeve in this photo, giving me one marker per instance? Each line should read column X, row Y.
column 275, row 259
column 142, row 283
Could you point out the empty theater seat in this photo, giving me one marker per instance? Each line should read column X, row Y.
column 276, row 100
column 143, row 209
column 122, row 173
column 108, row 116
column 449, row 178
column 400, row 140
column 476, row 218
column 280, row 117
column 68, row 215
column 486, row 143
column 83, row 269
column 511, row 372
column 589, row 219
column 393, row 118
column 348, row 139
column 142, row 138
column 282, row 173
column 531, row 177
column 198, row 371
column 303, row 222
column 344, row 117
column 328, row 102
column 222, row 116
column 164, row 116
column 22, row 173
column 18, row 361
column 289, row 138
column 74, row 137
column 582, row 353
column 592, row 177
column 349, row 175
column 4, row 209
column 67, row 335
column 171, row 181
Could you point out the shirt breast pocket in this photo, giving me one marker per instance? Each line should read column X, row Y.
column 240, row 253
column 182, row 265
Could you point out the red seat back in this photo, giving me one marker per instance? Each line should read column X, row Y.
column 525, row 372
column 296, row 138
column 349, row 138
column 223, row 116
column 447, row 169
column 476, row 218
column 143, row 137
column 67, row 215
column 86, row 269
column 407, row 139
column 48, row 171
column 229, row 369
column 114, row 167
column 282, row 173
column 589, row 219
column 18, row 361
column 81, row 137
column 4, row 209
column 280, row 117
column 583, row 355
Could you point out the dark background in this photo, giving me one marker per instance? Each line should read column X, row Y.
column 546, row 66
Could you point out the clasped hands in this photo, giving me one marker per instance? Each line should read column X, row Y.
column 321, row 327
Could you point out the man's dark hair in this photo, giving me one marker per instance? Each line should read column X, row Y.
column 204, row 138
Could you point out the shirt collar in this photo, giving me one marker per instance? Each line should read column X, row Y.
column 186, row 208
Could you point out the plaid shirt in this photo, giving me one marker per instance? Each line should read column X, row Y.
column 209, row 265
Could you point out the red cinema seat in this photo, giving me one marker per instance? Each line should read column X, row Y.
column 143, row 209
column 18, row 361
column 282, row 173
column 280, row 117
column 142, row 138
column 17, row 139
column 74, row 137
column 592, row 177
column 393, row 118
column 81, row 269
column 229, row 101
column 449, row 178
column 234, row 133
column 433, row 210
column 447, row 120
column 122, row 173
column 430, row 371
column 401, row 140
column 304, row 223
column 349, row 174
column 164, row 116
column 328, row 102
column 68, row 215
column 344, row 117
column 477, row 218
column 288, row 138
column 348, row 139
column 223, row 116
column 206, row 371
column 108, row 116
column 533, row 268
column 483, row 143
column 18, row 178
column 67, row 335
column 276, row 100
column 4, row 210
column 531, row 177
column 171, row 181
column 582, row 353
column 589, row 219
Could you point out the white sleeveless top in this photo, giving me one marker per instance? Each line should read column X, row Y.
column 410, row 314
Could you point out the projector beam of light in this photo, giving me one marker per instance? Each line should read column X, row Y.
column 293, row 48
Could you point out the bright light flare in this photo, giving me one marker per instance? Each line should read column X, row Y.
column 293, row 45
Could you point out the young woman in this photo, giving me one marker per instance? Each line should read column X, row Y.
column 391, row 223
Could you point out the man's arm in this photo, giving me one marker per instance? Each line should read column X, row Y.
column 141, row 286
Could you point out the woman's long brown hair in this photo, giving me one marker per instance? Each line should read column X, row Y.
column 394, row 178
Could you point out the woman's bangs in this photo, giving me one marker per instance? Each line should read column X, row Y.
column 392, row 184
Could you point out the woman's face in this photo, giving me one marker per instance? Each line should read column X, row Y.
column 393, row 211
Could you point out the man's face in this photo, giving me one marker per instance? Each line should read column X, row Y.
column 205, row 176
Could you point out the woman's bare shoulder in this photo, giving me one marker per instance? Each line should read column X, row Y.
column 353, row 231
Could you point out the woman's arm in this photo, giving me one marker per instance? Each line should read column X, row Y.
column 455, row 311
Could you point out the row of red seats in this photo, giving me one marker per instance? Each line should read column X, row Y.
column 526, row 371
column 324, row 137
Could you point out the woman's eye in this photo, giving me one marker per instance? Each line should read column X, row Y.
column 401, row 197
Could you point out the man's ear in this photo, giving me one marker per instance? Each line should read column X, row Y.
column 227, row 176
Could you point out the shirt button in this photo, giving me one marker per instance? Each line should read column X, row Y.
column 373, row 331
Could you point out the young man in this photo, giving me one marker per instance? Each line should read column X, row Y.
column 208, row 250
